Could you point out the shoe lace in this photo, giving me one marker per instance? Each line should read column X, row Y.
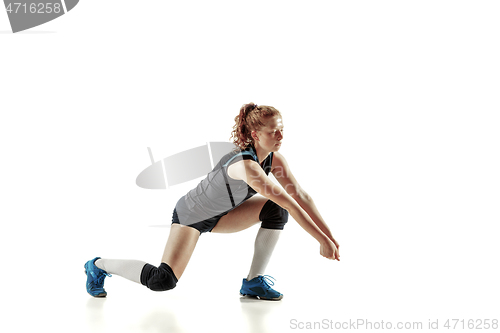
column 268, row 281
column 99, row 281
column 101, row 277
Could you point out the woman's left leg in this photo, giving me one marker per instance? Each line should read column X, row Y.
column 242, row 217
column 273, row 219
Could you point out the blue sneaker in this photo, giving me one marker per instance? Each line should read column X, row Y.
column 260, row 287
column 95, row 279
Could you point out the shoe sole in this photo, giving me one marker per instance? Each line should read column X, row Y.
column 263, row 298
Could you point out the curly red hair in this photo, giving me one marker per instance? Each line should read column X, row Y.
column 252, row 117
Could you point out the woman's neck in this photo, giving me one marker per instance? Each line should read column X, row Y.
column 261, row 153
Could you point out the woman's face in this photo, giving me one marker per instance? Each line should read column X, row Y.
column 270, row 136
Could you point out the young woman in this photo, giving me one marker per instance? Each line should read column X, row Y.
column 224, row 202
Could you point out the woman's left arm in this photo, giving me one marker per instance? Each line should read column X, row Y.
column 284, row 176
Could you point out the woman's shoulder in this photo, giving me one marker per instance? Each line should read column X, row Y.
column 238, row 155
column 278, row 162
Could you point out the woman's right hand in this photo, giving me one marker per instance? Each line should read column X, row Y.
column 329, row 250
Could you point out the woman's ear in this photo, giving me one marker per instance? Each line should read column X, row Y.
column 254, row 135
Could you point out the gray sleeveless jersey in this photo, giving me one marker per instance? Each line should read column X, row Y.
column 218, row 193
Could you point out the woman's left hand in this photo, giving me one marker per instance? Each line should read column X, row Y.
column 329, row 249
column 337, row 257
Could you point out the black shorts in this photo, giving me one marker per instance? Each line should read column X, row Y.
column 203, row 226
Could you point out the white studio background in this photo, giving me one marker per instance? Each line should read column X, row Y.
column 391, row 114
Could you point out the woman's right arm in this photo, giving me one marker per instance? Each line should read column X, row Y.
column 251, row 173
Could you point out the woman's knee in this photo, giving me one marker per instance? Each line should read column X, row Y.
column 159, row 278
column 273, row 216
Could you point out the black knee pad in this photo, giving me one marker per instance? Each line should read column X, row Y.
column 158, row 278
column 273, row 216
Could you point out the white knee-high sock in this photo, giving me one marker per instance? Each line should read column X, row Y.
column 129, row 269
column 264, row 245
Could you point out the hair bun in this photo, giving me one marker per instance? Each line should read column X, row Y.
column 247, row 108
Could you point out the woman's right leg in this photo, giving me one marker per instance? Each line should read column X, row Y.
column 180, row 246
